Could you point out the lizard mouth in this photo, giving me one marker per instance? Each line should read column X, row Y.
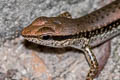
column 49, row 37
column 50, row 43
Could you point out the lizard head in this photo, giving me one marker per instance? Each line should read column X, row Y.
column 48, row 31
column 40, row 28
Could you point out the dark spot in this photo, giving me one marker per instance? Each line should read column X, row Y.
column 116, row 3
column 98, row 12
column 88, row 16
column 97, row 19
column 107, row 14
column 103, row 10
column 119, row 7
column 78, row 24
column 92, row 21
column 102, row 17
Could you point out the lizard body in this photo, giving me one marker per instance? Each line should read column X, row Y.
column 81, row 33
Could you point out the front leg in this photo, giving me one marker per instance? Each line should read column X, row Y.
column 83, row 44
column 92, row 63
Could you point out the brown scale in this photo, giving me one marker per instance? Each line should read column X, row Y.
column 100, row 18
column 88, row 34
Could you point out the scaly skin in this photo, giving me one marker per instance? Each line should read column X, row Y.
column 81, row 33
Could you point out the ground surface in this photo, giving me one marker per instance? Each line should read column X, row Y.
column 18, row 58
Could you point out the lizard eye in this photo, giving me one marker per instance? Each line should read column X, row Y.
column 46, row 37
